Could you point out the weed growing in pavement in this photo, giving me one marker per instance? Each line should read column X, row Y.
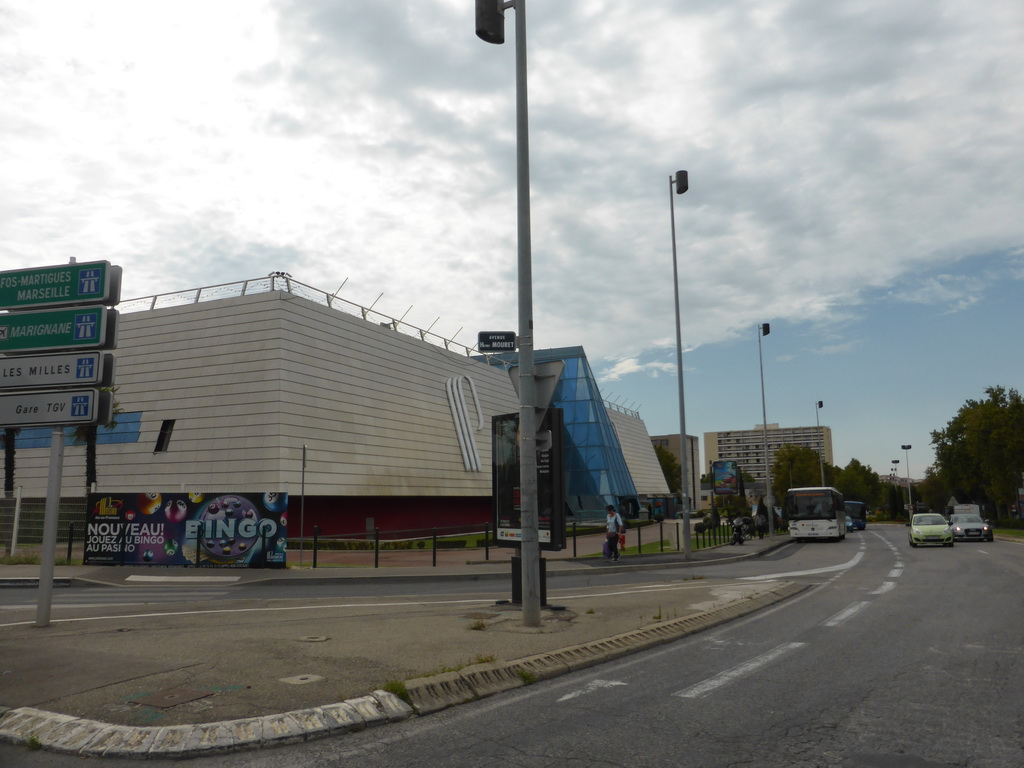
column 33, row 742
column 526, row 676
column 480, row 625
column 397, row 687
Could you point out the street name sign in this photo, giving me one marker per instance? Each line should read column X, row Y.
column 70, row 407
column 74, row 369
column 96, row 282
column 58, row 329
column 496, row 341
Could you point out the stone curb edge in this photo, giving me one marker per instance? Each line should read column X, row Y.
column 90, row 738
column 437, row 692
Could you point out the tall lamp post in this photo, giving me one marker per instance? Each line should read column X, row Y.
column 677, row 185
column 764, row 329
column 910, row 491
column 490, row 27
column 895, row 477
column 821, row 448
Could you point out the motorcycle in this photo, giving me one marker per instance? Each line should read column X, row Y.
column 738, row 524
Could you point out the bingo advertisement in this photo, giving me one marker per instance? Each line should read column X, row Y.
column 215, row 530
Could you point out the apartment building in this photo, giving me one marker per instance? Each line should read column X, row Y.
column 746, row 446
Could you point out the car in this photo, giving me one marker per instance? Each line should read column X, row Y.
column 930, row 528
column 969, row 527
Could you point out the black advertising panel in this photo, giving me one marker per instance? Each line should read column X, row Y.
column 550, row 482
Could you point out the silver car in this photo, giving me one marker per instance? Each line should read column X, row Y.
column 967, row 527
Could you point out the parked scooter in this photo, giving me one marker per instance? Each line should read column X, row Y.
column 738, row 524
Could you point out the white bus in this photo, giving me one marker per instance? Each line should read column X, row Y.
column 815, row 513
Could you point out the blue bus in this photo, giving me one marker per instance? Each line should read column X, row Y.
column 856, row 515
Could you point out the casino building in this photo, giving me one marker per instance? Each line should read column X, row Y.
column 227, row 388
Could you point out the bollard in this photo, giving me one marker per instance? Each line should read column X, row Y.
column 574, row 536
column 316, row 536
column 661, row 535
column 433, row 547
column 487, row 541
column 71, row 538
column 376, row 547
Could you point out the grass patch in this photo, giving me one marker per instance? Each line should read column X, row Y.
column 397, row 687
column 526, row 676
column 19, row 560
column 33, row 742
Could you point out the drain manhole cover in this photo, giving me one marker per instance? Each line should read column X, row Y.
column 172, row 697
column 300, row 679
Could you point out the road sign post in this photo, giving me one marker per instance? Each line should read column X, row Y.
column 45, row 314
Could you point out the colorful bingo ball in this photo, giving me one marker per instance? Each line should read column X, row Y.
column 229, row 527
column 147, row 556
column 148, row 503
column 170, row 547
column 275, row 502
column 176, row 510
column 195, row 497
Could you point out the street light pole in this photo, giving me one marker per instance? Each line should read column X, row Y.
column 821, row 448
column 490, row 28
column 681, row 184
column 764, row 329
column 910, row 490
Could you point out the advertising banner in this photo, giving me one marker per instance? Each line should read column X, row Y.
column 220, row 530
column 726, row 478
column 550, row 483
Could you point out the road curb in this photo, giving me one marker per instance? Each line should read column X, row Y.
column 90, row 738
column 437, row 692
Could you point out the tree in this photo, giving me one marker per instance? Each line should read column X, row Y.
column 10, row 434
column 932, row 491
column 670, row 468
column 796, row 467
column 859, row 482
column 980, row 453
column 87, row 436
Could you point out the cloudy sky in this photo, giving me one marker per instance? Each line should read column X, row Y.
column 856, row 171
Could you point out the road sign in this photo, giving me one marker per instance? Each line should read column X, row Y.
column 73, row 369
column 496, row 341
column 95, row 282
column 69, row 407
column 58, row 329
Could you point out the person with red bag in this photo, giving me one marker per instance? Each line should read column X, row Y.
column 615, row 529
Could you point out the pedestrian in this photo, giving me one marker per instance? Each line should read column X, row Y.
column 615, row 527
column 761, row 519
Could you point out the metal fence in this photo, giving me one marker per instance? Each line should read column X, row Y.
column 21, row 523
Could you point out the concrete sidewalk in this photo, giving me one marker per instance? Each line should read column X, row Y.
column 184, row 680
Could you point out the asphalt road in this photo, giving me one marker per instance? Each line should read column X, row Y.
column 897, row 657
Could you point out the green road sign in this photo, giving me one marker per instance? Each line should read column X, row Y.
column 70, row 407
column 95, row 282
column 58, row 329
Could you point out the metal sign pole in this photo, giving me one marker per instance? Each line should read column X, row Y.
column 46, row 557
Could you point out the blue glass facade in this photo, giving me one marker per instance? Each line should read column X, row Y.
column 595, row 468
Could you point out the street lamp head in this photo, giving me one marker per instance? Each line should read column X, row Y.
column 821, row 403
column 490, row 21
column 682, row 182
column 766, row 328
column 905, row 447
column 895, row 461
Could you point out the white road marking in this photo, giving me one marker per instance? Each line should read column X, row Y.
column 185, row 579
column 846, row 613
column 830, row 569
column 746, row 668
column 895, row 573
column 592, row 686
